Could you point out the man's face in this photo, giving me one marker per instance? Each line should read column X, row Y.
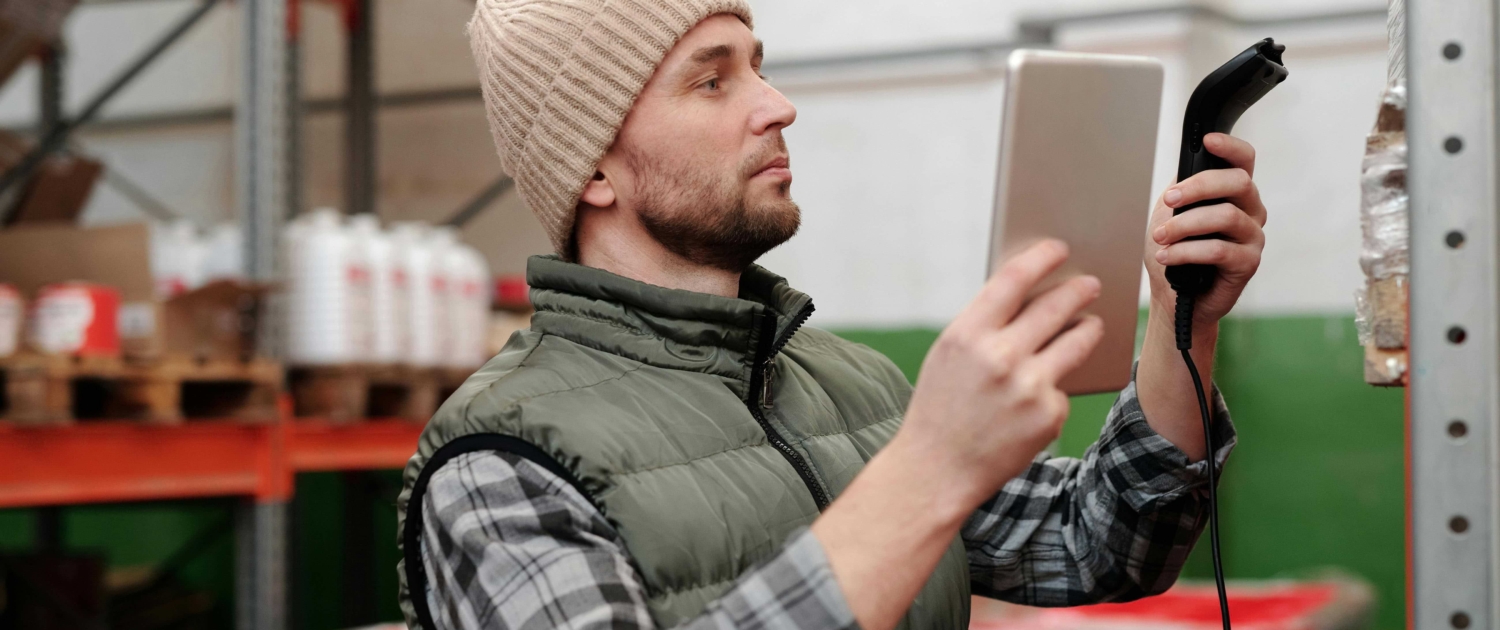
column 700, row 158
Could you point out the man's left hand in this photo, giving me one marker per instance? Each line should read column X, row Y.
column 1238, row 221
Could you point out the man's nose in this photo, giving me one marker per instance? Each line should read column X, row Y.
column 773, row 111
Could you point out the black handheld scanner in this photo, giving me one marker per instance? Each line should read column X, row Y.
column 1215, row 106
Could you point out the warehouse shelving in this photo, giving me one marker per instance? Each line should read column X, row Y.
column 124, row 461
column 100, row 462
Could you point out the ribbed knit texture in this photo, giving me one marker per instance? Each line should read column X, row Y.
column 558, row 78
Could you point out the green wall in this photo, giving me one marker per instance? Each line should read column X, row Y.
column 1317, row 479
column 1315, row 482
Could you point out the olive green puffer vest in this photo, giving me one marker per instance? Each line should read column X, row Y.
column 706, row 429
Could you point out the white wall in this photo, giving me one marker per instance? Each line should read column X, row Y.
column 896, row 180
column 894, row 162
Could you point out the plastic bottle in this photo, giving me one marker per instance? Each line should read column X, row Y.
column 177, row 255
column 416, row 278
column 478, row 311
column 327, row 292
column 376, row 249
column 12, row 315
column 447, row 269
column 225, row 253
column 468, row 300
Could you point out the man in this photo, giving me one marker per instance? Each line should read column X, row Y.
column 668, row 446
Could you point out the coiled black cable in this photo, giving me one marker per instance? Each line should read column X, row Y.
column 1184, row 330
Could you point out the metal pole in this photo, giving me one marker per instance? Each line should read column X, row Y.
column 261, row 134
column 51, row 92
column 1455, row 350
column 262, row 156
column 260, row 565
column 359, row 110
column 480, row 201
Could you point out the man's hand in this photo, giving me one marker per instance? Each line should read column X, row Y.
column 986, row 403
column 1163, row 385
column 1238, row 220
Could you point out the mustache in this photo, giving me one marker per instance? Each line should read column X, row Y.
column 770, row 149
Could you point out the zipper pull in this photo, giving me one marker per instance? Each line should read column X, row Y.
column 767, row 374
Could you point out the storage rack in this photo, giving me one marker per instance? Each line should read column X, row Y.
column 118, row 462
column 109, row 462
column 1453, row 412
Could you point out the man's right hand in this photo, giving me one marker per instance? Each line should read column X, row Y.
column 986, row 403
column 987, row 400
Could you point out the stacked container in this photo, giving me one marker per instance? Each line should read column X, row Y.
column 411, row 296
column 177, row 258
column 225, row 259
column 420, row 280
column 377, row 250
column 12, row 313
column 327, row 292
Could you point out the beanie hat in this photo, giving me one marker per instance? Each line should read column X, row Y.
column 558, row 78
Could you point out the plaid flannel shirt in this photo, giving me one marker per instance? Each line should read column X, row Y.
column 510, row 546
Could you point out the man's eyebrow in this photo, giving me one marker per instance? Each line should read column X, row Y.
column 712, row 53
column 760, row 50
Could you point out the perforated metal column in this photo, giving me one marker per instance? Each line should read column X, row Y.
column 261, row 131
column 260, row 561
column 1451, row 54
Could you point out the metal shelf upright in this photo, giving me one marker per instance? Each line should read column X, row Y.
column 1454, row 412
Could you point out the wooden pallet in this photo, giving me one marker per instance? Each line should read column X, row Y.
column 351, row 393
column 59, row 389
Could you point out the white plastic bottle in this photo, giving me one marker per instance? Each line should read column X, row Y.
column 323, row 287
column 447, row 270
column 467, row 306
column 375, row 247
column 416, row 279
column 478, row 286
column 177, row 255
column 225, row 255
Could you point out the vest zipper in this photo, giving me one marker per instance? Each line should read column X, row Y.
column 760, row 383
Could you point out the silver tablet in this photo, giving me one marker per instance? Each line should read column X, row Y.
column 1077, row 148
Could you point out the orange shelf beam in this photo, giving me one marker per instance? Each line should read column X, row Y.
column 314, row 445
column 101, row 462
column 119, row 461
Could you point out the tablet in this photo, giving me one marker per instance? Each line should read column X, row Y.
column 1077, row 149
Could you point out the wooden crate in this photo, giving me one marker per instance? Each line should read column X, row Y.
column 59, row 389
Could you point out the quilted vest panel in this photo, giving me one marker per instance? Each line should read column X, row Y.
column 706, row 429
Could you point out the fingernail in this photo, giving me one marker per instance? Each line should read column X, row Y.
column 1173, row 196
column 1161, row 255
column 1159, row 234
column 1094, row 285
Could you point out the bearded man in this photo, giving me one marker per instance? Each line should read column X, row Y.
column 669, row 446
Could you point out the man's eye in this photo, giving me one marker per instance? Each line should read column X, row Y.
column 712, row 84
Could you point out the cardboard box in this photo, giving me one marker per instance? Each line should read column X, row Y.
column 57, row 192
column 216, row 321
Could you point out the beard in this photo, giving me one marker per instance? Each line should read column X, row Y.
column 705, row 218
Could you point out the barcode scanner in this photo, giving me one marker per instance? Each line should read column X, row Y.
column 1215, row 106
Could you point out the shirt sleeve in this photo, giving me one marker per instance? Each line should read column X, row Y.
column 510, row 546
column 1116, row 525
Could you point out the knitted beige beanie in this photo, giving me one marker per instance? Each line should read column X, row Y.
column 558, row 78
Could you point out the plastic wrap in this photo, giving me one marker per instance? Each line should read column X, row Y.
column 1385, row 247
column 1383, row 199
column 1380, row 306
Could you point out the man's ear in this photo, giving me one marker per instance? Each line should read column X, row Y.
column 598, row 192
